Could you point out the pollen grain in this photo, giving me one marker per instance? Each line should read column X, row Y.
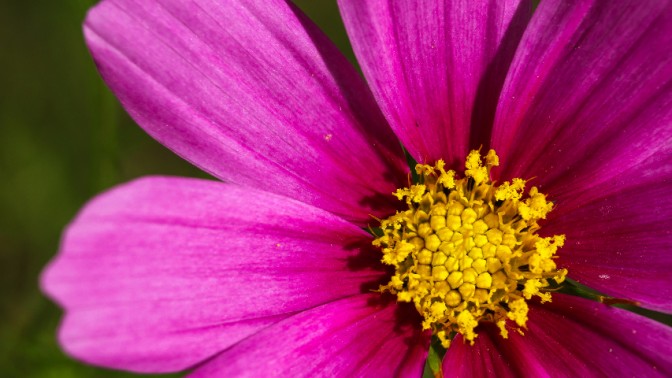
column 467, row 251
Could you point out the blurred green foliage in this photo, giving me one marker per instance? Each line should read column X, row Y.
column 63, row 139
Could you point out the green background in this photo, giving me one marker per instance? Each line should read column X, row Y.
column 63, row 139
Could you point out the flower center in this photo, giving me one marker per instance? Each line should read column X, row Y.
column 466, row 250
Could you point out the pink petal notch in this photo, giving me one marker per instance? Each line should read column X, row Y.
column 569, row 337
column 436, row 67
column 161, row 273
column 253, row 93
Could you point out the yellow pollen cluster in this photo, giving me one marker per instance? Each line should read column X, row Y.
column 466, row 250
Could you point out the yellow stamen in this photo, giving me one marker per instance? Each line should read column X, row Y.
column 466, row 251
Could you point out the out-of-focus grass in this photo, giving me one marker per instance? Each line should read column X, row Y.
column 63, row 139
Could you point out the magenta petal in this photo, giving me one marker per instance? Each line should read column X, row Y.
column 483, row 359
column 162, row 273
column 253, row 93
column 588, row 99
column 621, row 244
column 353, row 337
column 570, row 337
column 436, row 67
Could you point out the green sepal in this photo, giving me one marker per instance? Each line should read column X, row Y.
column 434, row 359
column 571, row 287
column 411, row 165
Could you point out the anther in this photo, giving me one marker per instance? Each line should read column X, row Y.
column 467, row 251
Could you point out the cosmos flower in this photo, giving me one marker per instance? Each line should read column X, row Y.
column 272, row 271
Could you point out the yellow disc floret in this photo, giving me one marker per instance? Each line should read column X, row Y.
column 466, row 251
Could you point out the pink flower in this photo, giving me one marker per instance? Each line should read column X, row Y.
column 270, row 271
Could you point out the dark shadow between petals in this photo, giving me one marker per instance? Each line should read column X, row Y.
column 492, row 81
